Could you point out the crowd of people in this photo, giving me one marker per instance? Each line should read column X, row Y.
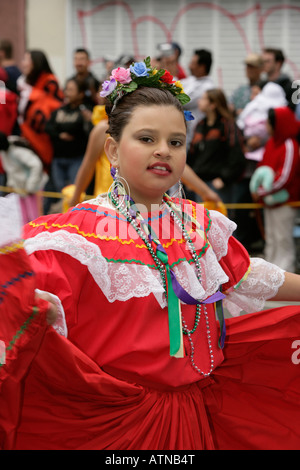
column 59, row 134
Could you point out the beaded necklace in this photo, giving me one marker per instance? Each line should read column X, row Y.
column 161, row 261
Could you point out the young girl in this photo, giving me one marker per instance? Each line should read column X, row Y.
column 69, row 131
column 141, row 362
column 40, row 95
column 216, row 153
column 276, row 182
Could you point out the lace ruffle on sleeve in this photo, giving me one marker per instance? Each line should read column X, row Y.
column 261, row 284
column 220, row 231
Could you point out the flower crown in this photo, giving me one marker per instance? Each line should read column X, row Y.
column 123, row 81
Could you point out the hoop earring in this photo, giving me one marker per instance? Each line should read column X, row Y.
column 119, row 189
column 178, row 191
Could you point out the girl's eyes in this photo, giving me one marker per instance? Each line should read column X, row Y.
column 146, row 139
column 176, row 143
column 173, row 143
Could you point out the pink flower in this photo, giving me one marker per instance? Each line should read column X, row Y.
column 121, row 75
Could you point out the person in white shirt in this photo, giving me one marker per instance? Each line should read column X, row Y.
column 196, row 84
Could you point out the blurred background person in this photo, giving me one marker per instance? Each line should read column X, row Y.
column 7, row 62
column 40, row 94
column 169, row 55
column 24, row 171
column 276, row 182
column 69, row 129
column 242, row 95
column 216, row 152
column 195, row 85
column 273, row 60
column 82, row 64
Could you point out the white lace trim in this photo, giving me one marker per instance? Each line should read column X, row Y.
column 220, row 231
column 262, row 284
column 11, row 219
column 120, row 281
column 117, row 281
column 60, row 325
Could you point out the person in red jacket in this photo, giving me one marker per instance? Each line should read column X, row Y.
column 276, row 182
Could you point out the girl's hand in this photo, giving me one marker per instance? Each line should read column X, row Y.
column 211, row 196
column 66, row 136
column 52, row 311
column 218, row 183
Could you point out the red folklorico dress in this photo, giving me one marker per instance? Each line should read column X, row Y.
column 103, row 377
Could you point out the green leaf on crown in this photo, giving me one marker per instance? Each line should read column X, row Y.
column 183, row 98
column 148, row 62
column 130, row 87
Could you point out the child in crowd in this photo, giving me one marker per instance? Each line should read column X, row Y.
column 139, row 278
column 24, row 171
column 253, row 119
column 216, row 152
column 276, row 182
column 69, row 128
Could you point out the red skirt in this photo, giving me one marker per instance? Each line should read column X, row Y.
column 52, row 396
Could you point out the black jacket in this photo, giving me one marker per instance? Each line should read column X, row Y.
column 217, row 151
column 70, row 120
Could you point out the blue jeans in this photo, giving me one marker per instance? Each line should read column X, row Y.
column 64, row 171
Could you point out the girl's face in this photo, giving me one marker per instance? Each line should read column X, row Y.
column 72, row 95
column 27, row 64
column 151, row 153
column 204, row 104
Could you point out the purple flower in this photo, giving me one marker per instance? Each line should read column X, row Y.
column 139, row 69
column 108, row 87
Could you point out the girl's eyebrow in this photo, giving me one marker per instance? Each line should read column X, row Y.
column 154, row 131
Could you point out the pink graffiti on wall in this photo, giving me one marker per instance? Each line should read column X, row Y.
column 169, row 32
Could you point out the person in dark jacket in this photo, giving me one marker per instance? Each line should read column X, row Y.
column 274, row 60
column 216, row 152
column 69, row 128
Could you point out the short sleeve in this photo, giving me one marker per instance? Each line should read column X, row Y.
column 251, row 281
column 260, row 284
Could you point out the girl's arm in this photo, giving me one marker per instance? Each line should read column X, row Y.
column 290, row 290
column 93, row 151
column 190, row 179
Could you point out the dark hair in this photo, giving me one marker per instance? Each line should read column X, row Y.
column 204, row 58
column 7, row 47
column 4, row 144
column 81, row 84
column 278, row 54
column 260, row 83
column 176, row 46
column 217, row 96
column 272, row 117
column 143, row 96
column 83, row 51
column 40, row 64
